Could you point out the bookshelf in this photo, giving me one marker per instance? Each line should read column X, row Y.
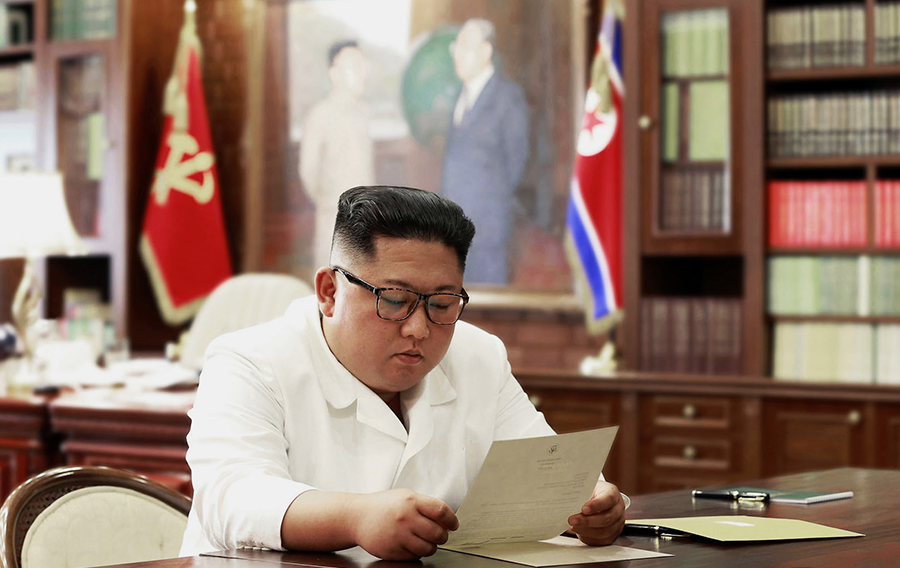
column 100, row 68
column 841, row 106
column 693, row 167
column 814, row 178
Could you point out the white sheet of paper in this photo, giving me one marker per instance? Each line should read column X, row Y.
column 558, row 550
column 527, row 489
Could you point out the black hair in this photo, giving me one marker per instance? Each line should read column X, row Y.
column 371, row 211
column 337, row 47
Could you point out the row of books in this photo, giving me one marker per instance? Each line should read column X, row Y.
column 830, row 285
column 707, row 110
column 694, row 200
column 887, row 213
column 82, row 19
column 818, row 213
column 691, row 335
column 695, row 43
column 832, row 352
column 17, row 86
column 15, row 24
column 887, row 32
column 858, row 123
column 816, row 36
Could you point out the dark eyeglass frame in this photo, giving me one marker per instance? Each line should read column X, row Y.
column 419, row 297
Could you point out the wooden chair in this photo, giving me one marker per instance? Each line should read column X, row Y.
column 90, row 516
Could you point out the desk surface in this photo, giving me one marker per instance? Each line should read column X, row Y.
column 874, row 510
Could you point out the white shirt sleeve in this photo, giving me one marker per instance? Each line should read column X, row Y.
column 238, row 453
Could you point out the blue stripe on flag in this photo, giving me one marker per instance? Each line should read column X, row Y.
column 617, row 48
column 590, row 264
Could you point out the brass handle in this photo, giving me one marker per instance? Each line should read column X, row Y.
column 645, row 122
column 689, row 411
column 689, row 452
column 536, row 401
column 854, row 417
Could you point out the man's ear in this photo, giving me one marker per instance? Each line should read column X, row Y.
column 326, row 290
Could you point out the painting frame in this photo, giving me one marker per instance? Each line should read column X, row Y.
column 273, row 160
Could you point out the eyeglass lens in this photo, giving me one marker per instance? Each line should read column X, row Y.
column 398, row 304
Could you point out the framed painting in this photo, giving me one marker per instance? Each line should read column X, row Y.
column 478, row 100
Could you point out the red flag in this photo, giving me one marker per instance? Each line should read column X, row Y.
column 183, row 242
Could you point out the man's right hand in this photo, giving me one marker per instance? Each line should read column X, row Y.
column 401, row 524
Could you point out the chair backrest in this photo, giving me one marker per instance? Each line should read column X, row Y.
column 241, row 301
column 90, row 516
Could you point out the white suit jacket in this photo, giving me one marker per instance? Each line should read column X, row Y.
column 276, row 414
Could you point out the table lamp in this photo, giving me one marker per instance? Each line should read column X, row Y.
column 34, row 222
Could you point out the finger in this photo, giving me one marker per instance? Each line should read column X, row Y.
column 599, row 536
column 419, row 547
column 430, row 531
column 602, row 502
column 598, row 517
column 439, row 512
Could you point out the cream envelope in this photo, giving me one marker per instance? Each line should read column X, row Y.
column 742, row 528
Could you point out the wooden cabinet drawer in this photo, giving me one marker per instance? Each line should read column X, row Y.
column 708, row 413
column 700, row 455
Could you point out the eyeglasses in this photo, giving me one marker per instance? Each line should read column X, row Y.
column 397, row 304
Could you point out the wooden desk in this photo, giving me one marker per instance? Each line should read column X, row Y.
column 872, row 511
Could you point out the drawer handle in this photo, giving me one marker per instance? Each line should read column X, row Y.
column 689, row 452
column 854, row 417
column 536, row 401
column 689, row 411
column 645, row 122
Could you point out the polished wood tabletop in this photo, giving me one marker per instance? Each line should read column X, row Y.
column 874, row 510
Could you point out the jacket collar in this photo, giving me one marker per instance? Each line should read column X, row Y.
column 341, row 389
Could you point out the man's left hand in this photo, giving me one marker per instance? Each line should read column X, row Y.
column 601, row 519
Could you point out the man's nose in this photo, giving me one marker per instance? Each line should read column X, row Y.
column 417, row 324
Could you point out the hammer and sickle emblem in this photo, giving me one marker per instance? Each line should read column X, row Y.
column 175, row 175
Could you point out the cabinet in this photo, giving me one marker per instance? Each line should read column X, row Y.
column 99, row 77
column 832, row 171
column 693, row 166
column 803, row 266
column 811, row 435
column 26, row 445
column 679, row 432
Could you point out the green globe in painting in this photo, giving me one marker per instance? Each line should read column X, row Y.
column 430, row 87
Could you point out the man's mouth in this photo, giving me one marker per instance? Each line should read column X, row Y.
column 409, row 357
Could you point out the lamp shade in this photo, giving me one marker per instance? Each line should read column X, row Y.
column 34, row 219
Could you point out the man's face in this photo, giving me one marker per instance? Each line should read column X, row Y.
column 471, row 53
column 388, row 356
column 348, row 71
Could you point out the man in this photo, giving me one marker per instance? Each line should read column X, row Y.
column 362, row 416
column 486, row 150
column 336, row 150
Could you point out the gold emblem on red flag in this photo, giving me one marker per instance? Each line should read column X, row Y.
column 176, row 174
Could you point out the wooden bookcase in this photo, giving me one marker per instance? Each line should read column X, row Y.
column 113, row 82
column 687, row 265
column 667, row 118
column 863, row 156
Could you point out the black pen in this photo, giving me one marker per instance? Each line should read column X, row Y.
column 730, row 495
column 652, row 530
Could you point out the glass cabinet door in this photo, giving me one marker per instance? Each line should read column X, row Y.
column 693, row 194
column 81, row 139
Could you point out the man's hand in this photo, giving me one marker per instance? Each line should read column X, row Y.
column 401, row 524
column 602, row 518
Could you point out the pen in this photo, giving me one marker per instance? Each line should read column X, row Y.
column 731, row 495
column 652, row 530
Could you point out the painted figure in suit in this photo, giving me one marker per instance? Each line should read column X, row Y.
column 486, row 151
column 336, row 150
